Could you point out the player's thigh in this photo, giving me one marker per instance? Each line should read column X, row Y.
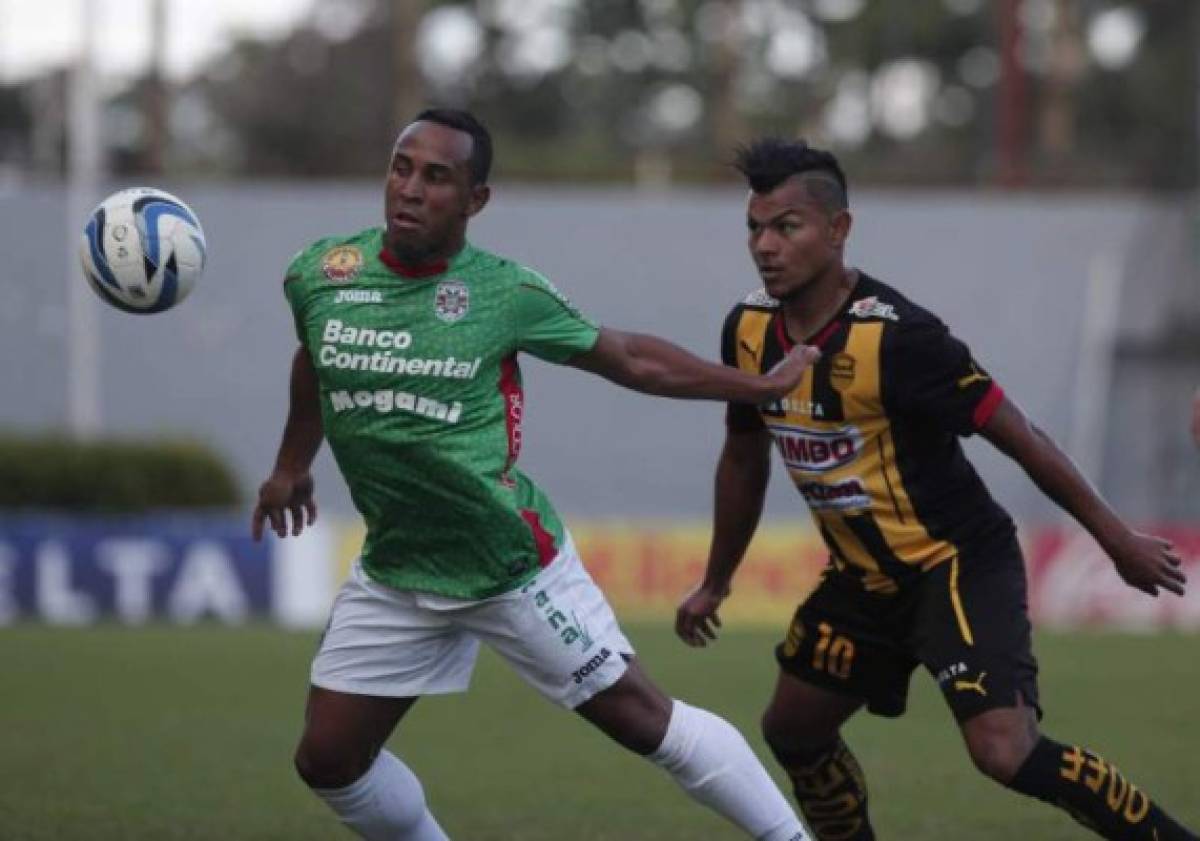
column 974, row 634
column 384, row 643
column 557, row 632
column 851, row 643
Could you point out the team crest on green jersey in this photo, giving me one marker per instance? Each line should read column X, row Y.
column 342, row 264
column 451, row 301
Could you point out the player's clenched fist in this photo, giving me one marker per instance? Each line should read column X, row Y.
column 284, row 493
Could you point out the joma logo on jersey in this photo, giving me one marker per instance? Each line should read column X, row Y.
column 358, row 296
column 817, row 452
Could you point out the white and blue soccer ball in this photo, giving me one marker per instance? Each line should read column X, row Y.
column 142, row 250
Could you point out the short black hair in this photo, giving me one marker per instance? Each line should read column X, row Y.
column 769, row 161
column 480, row 163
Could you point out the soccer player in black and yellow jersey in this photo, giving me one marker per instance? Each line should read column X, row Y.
column 925, row 568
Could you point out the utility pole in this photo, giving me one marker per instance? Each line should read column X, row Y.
column 728, row 128
column 407, row 90
column 84, row 163
column 156, row 141
column 1057, row 111
column 1012, row 104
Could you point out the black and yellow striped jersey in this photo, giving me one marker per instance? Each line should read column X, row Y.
column 870, row 436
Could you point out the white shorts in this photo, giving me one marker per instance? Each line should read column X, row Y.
column 558, row 632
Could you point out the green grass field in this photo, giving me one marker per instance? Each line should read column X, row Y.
column 187, row 734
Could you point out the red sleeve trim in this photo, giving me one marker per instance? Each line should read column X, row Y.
column 987, row 406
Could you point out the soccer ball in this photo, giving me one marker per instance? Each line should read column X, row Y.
column 142, row 250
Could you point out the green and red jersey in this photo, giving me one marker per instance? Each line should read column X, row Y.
column 421, row 401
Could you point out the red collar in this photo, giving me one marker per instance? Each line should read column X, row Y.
column 406, row 270
column 821, row 338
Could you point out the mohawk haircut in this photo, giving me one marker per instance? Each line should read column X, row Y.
column 768, row 162
column 480, row 163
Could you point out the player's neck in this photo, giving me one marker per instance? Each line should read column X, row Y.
column 418, row 264
column 812, row 307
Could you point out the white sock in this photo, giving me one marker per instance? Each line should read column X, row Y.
column 712, row 762
column 386, row 804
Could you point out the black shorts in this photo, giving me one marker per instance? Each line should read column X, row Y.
column 966, row 620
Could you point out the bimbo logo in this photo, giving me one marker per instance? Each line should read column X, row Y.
column 817, row 452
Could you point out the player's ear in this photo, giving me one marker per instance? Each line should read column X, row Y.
column 839, row 228
column 477, row 198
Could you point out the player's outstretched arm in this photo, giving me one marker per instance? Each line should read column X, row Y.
column 655, row 366
column 743, row 471
column 1143, row 561
column 289, row 488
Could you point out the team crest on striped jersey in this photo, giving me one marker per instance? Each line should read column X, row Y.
column 841, row 371
column 760, row 298
column 342, row 264
column 872, row 307
column 451, row 301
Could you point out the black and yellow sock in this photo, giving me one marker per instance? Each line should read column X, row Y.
column 832, row 793
column 1095, row 793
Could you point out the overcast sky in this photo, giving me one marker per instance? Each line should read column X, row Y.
column 37, row 34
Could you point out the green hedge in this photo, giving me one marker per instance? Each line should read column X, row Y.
column 112, row 476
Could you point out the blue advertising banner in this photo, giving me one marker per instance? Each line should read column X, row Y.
column 176, row 568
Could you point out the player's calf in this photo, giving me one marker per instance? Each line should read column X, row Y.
column 1095, row 793
column 711, row 761
column 386, row 804
column 802, row 728
column 1000, row 740
column 831, row 789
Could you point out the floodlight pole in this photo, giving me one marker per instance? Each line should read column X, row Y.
column 84, row 161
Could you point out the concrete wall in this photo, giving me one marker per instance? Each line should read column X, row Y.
column 1009, row 274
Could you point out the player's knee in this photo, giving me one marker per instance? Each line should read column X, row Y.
column 328, row 766
column 633, row 712
column 790, row 737
column 998, row 752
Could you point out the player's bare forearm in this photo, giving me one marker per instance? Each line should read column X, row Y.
column 1052, row 471
column 655, row 366
column 742, row 474
column 743, row 471
column 288, row 491
column 1143, row 561
column 302, row 432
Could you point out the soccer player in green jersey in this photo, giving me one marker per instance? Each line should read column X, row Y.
column 924, row 567
column 408, row 367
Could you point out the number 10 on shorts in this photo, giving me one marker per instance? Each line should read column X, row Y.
column 833, row 653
